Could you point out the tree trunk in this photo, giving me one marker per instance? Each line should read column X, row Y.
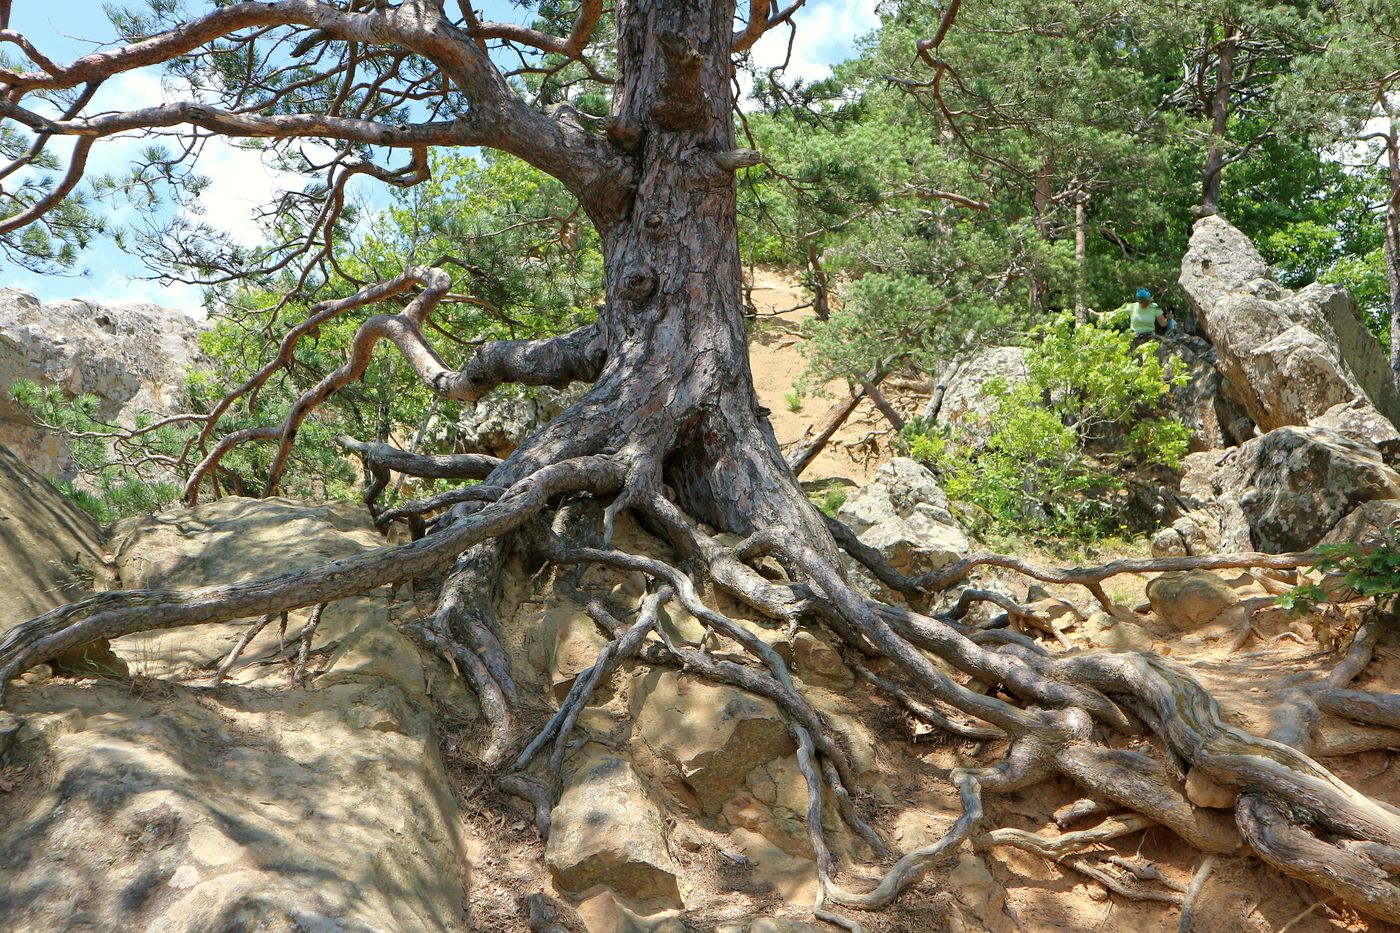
column 1040, row 208
column 1081, row 254
column 1220, row 122
column 1392, row 246
column 676, row 394
column 821, row 295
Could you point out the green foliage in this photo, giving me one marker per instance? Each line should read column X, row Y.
column 111, row 488
column 793, row 400
column 1051, row 441
column 1368, row 572
column 830, row 500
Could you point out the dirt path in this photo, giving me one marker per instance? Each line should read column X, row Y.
column 864, row 443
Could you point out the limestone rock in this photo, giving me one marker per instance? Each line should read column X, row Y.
column 1370, row 523
column 1104, row 631
column 188, row 813
column 132, row 357
column 773, row 925
column 497, row 424
column 965, row 407
column 712, row 735
column 1168, row 542
column 234, row 539
column 816, row 662
column 1287, row 489
column 605, row 912
column 572, row 642
column 171, row 810
column 50, row 553
column 1204, row 792
column 606, row 830
column 1286, row 356
column 1202, row 402
column 1187, row 536
column 905, row 515
column 1186, row 600
column 1359, row 420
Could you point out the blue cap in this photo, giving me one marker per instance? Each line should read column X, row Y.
column 1144, row 295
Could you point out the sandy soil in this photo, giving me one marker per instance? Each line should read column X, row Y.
column 775, row 352
column 909, row 796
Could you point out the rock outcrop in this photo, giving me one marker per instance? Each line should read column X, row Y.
column 1285, row 490
column 606, row 829
column 1188, row 600
column 1202, row 402
column 1287, row 356
column 50, row 549
column 51, row 553
column 176, row 809
column 708, row 736
column 905, row 515
column 234, row 539
column 965, row 406
column 132, row 357
column 497, row 424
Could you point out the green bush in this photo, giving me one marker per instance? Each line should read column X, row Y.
column 1088, row 401
column 1370, row 573
column 830, row 500
column 113, row 488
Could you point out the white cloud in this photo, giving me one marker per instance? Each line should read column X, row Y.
column 826, row 34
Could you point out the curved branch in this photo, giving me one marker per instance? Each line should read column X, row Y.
column 570, row 47
column 48, row 202
column 760, row 21
column 110, row 615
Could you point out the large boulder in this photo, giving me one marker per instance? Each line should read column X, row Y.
column 1189, row 599
column 1359, row 420
column 1201, row 402
column 232, row 540
column 50, row 554
column 133, row 357
column 905, row 515
column 1286, row 356
column 497, row 424
column 1369, row 524
column 156, row 806
column 708, row 735
column 966, row 407
column 1284, row 491
column 606, row 830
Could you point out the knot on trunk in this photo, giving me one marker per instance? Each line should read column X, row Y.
column 683, row 104
column 639, row 285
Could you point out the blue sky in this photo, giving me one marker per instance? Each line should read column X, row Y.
column 240, row 181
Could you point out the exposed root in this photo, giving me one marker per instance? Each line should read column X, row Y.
column 1053, row 709
column 1056, row 847
column 912, row 867
column 1193, row 894
column 923, row 711
column 308, row 631
column 1295, row 717
column 111, row 615
column 237, row 651
column 624, row 646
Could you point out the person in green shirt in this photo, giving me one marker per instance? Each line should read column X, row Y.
column 1144, row 316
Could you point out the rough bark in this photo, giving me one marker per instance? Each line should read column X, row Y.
column 1220, row 121
column 671, row 429
column 1392, row 241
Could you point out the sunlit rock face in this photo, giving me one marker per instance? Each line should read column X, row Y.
column 133, row 357
column 1287, row 356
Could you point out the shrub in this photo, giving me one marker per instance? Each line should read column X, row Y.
column 1088, row 399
